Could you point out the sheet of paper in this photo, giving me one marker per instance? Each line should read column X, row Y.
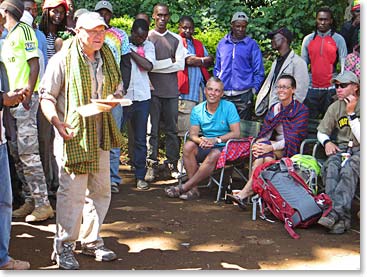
column 93, row 109
column 122, row 102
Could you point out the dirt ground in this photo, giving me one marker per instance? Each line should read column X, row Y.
column 149, row 231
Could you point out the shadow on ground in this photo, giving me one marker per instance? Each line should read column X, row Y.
column 149, row 231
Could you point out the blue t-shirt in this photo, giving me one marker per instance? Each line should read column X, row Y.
column 217, row 124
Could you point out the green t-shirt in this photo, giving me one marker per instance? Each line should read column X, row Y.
column 336, row 123
column 20, row 45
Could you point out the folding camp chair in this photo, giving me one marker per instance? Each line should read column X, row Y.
column 233, row 155
column 317, row 151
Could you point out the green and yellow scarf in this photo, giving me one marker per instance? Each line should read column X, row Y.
column 81, row 152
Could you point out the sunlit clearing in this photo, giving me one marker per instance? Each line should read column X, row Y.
column 139, row 244
column 324, row 259
column 133, row 209
column 48, row 228
column 49, row 267
column 197, row 268
column 231, row 266
column 24, row 235
column 203, row 208
column 216, row 248
column 166, row 182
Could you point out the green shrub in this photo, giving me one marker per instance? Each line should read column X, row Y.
column 212, row 18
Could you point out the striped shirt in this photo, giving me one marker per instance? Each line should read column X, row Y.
column 196, row 79
column 50, row 38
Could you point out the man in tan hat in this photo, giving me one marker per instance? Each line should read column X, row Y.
column 341, row 170
column 84, row 70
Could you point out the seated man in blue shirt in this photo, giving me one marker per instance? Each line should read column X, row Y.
column 218, row 121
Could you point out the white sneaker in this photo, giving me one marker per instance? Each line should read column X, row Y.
column 142, row 185
column 101, row 253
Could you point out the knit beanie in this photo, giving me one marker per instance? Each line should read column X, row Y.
column 15, row 7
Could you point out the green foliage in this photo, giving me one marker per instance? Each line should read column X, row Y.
column 124, row 23
column 212, row 18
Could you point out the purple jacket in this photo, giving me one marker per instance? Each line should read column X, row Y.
column 239, row 66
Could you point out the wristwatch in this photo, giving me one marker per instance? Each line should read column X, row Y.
column 352, row 116
column 219, row 140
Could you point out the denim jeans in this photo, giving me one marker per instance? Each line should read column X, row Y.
column 244, row 104
column 5, row 205
column 117, row 114
column 46, row 136
column 138, row 114
column 167, row 108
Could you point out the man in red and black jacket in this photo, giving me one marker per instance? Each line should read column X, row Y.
column 322, row 50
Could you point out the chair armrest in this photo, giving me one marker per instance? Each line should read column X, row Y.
column 305, row 142
column 237, row 140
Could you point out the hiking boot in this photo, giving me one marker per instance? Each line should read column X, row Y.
column 100, row 253
column 173, row 170
column 327, row 221
column 164, row 171
column 142, row 185
column 15, row 265
column 24, row 210
column 114, row 188
column 40, row 214
column 340, row 227
column 152, row 171
column 169, row 171
column 66, row 259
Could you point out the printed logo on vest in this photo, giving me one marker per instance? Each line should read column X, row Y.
column 343, row 122
column 30, row 46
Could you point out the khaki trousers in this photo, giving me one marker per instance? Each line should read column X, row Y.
column 82, row 197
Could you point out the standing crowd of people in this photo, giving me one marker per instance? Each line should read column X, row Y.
column 72, row 57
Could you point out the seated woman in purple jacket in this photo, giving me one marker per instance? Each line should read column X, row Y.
column 284, row 128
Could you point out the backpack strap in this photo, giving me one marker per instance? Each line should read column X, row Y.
column 262, row 211
column 323, row 200
column 288, row 163
column 288, row 226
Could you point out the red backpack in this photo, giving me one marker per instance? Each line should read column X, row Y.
column 286, row 195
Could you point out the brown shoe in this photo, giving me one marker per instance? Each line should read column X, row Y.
column 26, row 209
column 40, row 214
column 15, row 265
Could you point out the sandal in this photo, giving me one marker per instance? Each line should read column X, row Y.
column 190, row 195
column 174, row 191
column 236, row 199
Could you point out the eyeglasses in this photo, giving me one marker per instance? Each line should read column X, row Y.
column 342, row 85
column 95, row 32
column 282, row 87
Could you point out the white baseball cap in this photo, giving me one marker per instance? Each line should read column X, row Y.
column 90, row 20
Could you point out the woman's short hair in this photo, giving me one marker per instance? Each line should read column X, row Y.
column 289, row 77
